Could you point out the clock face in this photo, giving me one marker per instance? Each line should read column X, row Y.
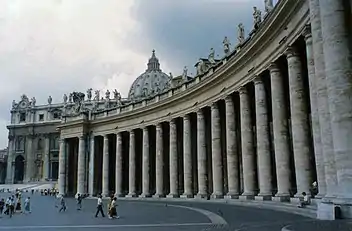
column 23, row 104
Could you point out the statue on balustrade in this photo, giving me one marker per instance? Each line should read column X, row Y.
column 33, row 102
column 257, row 17
column 97, row 95
column 89, row 94
column 240, row 33
column 211, row 56
column 70, row 98
column 227, row 45
column 107, row 95
column 201, row 67
column 50, row 100
column 65, row 98
column 117, row 95
column 14, row 104
column 269, row 5
column 78, row 98
column 184, row 74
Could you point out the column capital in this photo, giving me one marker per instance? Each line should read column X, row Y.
column 258, row 80
column 62, row 140
column 186, row 117
column 214, row 106
column 307, row 33
column 131, row 132
column 106, row 136
column 158, row 126
column 31, row 136
column 291, row 51
column 228, row 99
column 273, row 67
column 82, row 136
column 243, row 90
column 145, row 129
column 200, row 112
column 11, row 137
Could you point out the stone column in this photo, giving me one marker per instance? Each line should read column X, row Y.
column 173, row 160
column 118, row 166
column 81, row 165
column 30, row 158
column 10, row 159
column 323, row 101
column 231, row 149
column 46, row 161
column 145, row 164
column 62, row 167
column 159, row 162
column 263, row 141
column 318, row 152
column 280, row 131
column 91, row 166
column 299, row 122
column 187, row 157
column 338, row 68
column 132, row 166
column 216, row 152
column 201, row 156
column 248, row 157
column 105, row 183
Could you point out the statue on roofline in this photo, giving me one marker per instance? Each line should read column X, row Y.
column 211, row 56
column 240, row 33
column 227, row 45
column 89, row 94
column 269, row 5
column 257, row 17
column 65, row 98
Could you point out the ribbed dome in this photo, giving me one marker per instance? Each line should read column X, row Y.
column 151, row 82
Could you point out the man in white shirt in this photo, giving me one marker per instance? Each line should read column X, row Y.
column 100, row 207
column 305, row 201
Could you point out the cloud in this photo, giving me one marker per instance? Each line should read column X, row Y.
column 52, row 47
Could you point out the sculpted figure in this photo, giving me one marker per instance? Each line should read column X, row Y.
column 268, row 5
column 240, row 33
column 33, row 101
column 171, row 76
column 200, row 67
column 185, row 70
column 97, row 95
column 257, row 17
column 107, row 95
column 65, row 98
column 14, row 104
column 50, row 100
column 70, row 98
column 211, row 56
column 89, row 94
column 227, row 45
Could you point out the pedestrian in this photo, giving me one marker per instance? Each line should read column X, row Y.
column 12, row 206
column 109, row 206
column 79, row 201
column 100, row 207
column 27, row 205
column 63, row 204
column 2, row 204
column 113, row 210
column 7, row 206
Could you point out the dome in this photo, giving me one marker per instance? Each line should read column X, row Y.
column 153, row 81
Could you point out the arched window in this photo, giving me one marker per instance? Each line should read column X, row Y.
column 40, row 144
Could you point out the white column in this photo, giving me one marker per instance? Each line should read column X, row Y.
column 145, row 164
column 30, row 165
column 280, row 131
column 248, row 156
column 159, row 162
column 91, row 166
column 231, row 149
column 46, row 162
column 173, row 165
column 338, row 68
column 216, row 152
column 187, row 157
column 318, row 152
column 105, row 183
column 81, row 165
column 132, row 166
column 118, row 166
column 62, row 167
column 323, row 101
column 10, row 158
column 263, row 141
column 299, row 122
column 201, row 156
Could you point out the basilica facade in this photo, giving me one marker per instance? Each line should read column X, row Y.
column 264, row 122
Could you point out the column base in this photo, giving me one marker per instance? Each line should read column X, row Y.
column 119, row 195
column 130, row 195
column 281, row 198
column 295, row 200
column 172, row 195
column 247, row 196
column 158, row 196
column 217, row 196
column 201, row 196
column 263, row 197
column 232, row 196
column 186, row 195
column 326, row 211
column 145, row 195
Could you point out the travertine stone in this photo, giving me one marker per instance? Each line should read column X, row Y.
column 91, row 165
column 299, row 122
column 159, row 162
column 318, row 152
column 30, row 167
column 105, row 191
column 46, row 161
column 118, row 167
column 201, row 156
column 173, row 160
column 187, row 157
column 10, row 158
column 263, row 141
column 248, row 157
column 231, row 148
column 145, row 164
column 216, row 152
column 62, row 167
column 338, row 69
column 323, row 101
column 280, row 131
column 81, row 165
column 132, row 166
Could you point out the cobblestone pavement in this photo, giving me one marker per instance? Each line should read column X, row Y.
column 152, row 216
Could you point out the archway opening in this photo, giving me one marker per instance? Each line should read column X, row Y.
column 19, row 169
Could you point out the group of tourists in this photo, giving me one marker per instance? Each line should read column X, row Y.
column 112, row 204
column 13, row 204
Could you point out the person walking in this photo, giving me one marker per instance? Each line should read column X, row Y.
column 79, row 202
column 113, row 210
column 2, row 204
column 100, row 207
column 63, row 204
column 27, row 205
column 12, row 203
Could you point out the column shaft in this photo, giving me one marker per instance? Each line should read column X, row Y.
column 145, row 164
column 105, row 183
column 263, row 140
column 248, row 158
column 187, row 157
column 173, row 160
column 118, row 166
column 201, row 156
column 231, row 149
column 62, row 167
column 159, row 162
column 81, row 165
column 216, row 152
column 132, row 166
column 299, row 122
column 46, row 161
column 91, row 166
column 10, row 158
column 30, row 166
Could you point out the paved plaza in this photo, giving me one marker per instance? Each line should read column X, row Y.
column 151, row 215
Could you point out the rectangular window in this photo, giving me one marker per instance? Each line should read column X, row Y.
column 22, row 117
column 41, row 117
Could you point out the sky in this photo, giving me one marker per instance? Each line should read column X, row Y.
column 52, row 47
